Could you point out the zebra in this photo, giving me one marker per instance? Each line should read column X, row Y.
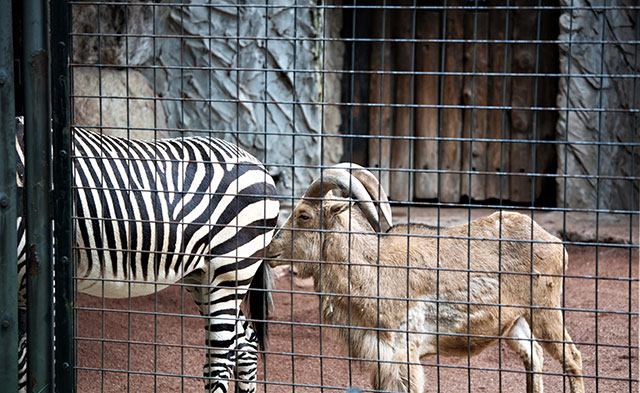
column 149, row 214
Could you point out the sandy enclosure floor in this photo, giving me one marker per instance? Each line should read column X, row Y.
column 120, row 348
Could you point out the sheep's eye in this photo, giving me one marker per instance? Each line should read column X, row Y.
column 304, row 217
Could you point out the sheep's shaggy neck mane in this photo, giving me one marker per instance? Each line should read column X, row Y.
column 351, row 258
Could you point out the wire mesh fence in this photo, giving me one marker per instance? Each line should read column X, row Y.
column 481, row 233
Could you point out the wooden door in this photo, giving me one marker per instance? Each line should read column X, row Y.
column 471, row 95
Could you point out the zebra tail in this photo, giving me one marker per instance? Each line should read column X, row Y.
column 260, row 301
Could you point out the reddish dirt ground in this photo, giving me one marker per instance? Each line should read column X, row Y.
column 121, row 347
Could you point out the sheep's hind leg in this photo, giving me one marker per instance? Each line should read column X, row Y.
column 522, row 342
column 548, row 325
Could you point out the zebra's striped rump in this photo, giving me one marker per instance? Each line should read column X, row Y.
column 149, row 214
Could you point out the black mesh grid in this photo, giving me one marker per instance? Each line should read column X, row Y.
column 459, row 108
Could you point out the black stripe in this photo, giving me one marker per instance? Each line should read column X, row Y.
column 224, row 312
column 89, row 218
column 234, row 283
column 222, row 344
column 143, row 161
column 126, row 213
column 237, row 264
column 245, row 198
column 110, row 193
column 243, row 235
column 220, row 327
column 228, row 298
column 20, row 147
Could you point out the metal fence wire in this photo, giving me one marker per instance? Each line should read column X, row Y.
column 457, row 185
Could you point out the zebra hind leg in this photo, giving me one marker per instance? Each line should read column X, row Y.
column 245, row 356
column 220, row 307
column 22, row 345
column 22, row 362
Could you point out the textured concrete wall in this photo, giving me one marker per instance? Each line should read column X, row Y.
column 249, row 74
column 586, row 55
column 229, row 92
column 119, row 101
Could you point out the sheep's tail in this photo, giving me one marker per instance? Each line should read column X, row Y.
column 566, row 258
column 260, row 300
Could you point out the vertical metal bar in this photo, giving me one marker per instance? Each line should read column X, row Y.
column 634, row 205
column 565, row 179
column 8, row 209
column 63, row 197
column 500, row 192
column 265, row 375
column 440, row 126
column 323, row 97
column 37, row 187
column 598, row 188
column 293, row 194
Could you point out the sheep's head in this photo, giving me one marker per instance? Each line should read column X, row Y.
column 299, row 239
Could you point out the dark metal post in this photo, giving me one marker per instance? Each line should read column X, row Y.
column 37, row 192
column 8, row 213
column 62, row 179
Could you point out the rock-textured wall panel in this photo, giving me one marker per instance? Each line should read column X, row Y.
column 598, row 53
column 113, row 33
column 236, row 70
column 121, row 102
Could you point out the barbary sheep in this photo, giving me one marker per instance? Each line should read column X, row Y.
column 414, row 291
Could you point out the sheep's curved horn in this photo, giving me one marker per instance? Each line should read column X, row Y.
column 370, row 182
column 340, row 178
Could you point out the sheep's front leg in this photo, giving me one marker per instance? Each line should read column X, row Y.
column 397, row 372
column 520, row 340
column 412, row 373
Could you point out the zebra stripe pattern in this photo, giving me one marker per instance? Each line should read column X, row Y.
column 149, row 214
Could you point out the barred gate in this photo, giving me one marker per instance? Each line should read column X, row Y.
column 459, row 108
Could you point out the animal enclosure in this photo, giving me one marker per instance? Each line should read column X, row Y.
column 414, row 195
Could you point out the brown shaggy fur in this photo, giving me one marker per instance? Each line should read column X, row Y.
column 416, row 290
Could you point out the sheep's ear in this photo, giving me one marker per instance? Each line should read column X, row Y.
column 338, row 207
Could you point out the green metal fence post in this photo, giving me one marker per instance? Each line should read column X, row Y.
column 62, row 180
column 8, row 213
column 37, row 196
